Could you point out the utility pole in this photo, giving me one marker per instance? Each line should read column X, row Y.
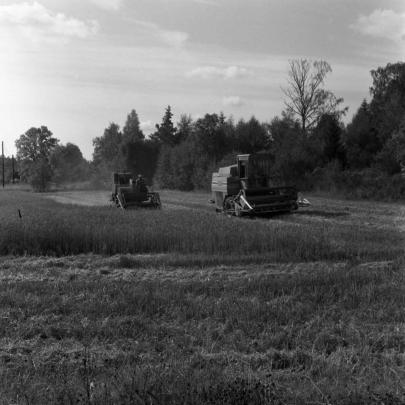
column 2, row 156
column 12, row 167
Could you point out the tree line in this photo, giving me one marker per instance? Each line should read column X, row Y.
column 309, row 144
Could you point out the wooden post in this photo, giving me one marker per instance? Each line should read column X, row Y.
column 12, row 167
column 2, row 158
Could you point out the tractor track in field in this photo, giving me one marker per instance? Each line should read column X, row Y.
column 86, row 198
column 325, row 210
column 96, row 267
column 101, row 199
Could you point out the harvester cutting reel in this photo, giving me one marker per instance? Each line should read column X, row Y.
column 134, row 200
column 282, row 200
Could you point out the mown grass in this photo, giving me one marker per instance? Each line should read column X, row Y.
column 183, row 306
column 49, row 228
column 79, row 330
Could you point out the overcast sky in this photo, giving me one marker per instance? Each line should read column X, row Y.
column 77, row 65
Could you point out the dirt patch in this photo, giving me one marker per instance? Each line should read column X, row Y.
column 86, row 198
column 101, row 199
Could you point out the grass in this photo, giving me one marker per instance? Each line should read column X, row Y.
column 89, row 329
column 183, row 306
column 49, row 228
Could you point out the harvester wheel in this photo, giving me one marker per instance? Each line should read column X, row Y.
column 230, row 207
column 115, row 201
column 156, row 201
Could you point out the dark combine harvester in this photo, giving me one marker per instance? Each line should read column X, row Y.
column 126, row 193
column 245, row 188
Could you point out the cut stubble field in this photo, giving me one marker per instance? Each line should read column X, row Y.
column 185, row 306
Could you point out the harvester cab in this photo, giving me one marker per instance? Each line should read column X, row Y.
column 248, row 188
column 127, row 193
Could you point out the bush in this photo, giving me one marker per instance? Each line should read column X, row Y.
column 368, row 183
column 40, row 175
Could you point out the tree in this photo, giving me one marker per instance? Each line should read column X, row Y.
column 107, row 148
column 164, row 172
column 251, row 136
column 185, row 127
column 388, row 79
column 305, row 95
column 132, row 131
column 68, row 163
column 369, row 138
column 35, row 144
column 140, row 157
column 8, row 169
column 182, row 165
column 210, row 135
column 34, row 148
column 388, row 99
column 327, row 138
column 166, row 132
column 40, row 175
column 391, row 158
column 291, row 160
column 190, row 163
column 361, row 139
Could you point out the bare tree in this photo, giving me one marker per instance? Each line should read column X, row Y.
column 305, row 96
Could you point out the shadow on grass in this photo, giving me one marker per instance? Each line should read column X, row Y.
column 314, row 213
column 322, row 214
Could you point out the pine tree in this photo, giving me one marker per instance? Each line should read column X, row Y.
column 166, row 132
column 132, row 131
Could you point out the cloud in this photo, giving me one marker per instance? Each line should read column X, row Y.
column 232, row 101
column 212, row 72
column 38, row 23
column 147, row 126
column 176, row 39
column 214, row 3
column 382, row 24
column 173, row 38
column 207, row 2
column 113, row 5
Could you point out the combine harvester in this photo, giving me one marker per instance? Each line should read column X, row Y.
column 246, row 189
column 129, row 194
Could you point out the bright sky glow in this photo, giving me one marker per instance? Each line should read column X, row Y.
column 77, row 65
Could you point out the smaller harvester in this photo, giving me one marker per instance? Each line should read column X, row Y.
column 127, row 193
column 248, row 188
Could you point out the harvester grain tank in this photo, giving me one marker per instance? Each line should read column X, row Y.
column 248, row 188
column 127, row 193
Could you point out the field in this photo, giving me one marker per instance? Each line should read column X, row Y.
column 185, row 306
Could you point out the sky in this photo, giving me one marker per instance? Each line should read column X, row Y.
column 75, row 66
